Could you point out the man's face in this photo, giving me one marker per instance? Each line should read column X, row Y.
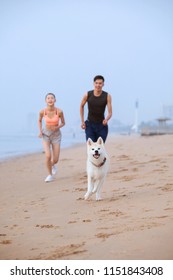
column 98, row 84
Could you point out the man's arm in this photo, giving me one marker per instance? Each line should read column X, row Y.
column 109, row 107
column 83, row 102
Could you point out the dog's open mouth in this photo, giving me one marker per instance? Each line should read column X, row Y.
column 96, row 156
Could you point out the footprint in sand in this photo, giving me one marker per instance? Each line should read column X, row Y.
column 103, row 236
column 42, row 198
column 158, row 170
column 104, row 210
column 169, row 208
column 123, row 157
column 79, row 189
column 33, row 249
column 14, row 226
column 72, row 222
column 162, row 217
column 102, row 228
column 118, row 171
column 113, row 199
column 167, row 188
column 128, row 178
column 47, row 226
column 64, row 251
column 116, row 213
column 117, row 198
column 135, row 169
column 155, row 160
column 6, row 242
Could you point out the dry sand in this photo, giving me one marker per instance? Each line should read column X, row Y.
column 52, row 221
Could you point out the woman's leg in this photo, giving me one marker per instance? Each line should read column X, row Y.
column 56, row 152
column 47, row 149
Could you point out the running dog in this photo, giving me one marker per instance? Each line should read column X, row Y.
column 97, row 167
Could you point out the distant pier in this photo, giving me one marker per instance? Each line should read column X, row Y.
column 160, row 129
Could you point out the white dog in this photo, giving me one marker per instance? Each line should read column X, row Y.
column 97, row 167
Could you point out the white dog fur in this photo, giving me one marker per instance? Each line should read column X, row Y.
column 97, row 167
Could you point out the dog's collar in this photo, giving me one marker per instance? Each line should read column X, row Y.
column 101, row 164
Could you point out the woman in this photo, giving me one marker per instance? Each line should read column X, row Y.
column 51, row 134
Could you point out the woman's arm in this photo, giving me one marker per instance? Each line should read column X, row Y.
column 62, row 119
column 40, row 123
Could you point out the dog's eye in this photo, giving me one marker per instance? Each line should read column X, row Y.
column 98, row 148
column 92, row 149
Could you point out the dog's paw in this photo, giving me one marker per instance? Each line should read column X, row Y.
column 98, row 198
column 87, row 195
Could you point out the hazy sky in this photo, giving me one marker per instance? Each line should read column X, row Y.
column 60, row 45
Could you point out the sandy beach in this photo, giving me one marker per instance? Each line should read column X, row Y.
column 49, row 221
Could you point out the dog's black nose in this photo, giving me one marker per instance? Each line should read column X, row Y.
column 96, row 152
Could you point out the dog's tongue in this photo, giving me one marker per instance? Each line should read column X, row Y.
column 96, row 156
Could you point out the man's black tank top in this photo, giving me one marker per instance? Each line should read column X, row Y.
column 96, row 106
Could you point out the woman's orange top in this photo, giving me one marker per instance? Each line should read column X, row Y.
column 51, row 121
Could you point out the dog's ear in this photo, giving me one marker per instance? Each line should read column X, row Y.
column 100, row 140
column 89, row 142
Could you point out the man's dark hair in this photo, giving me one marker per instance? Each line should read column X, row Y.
column 99, row 77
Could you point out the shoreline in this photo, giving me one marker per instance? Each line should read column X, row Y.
column 67, row 146
column 27, row 144
column 49, row 221
column 41, row 151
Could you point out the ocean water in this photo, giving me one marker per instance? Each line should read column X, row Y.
column 22, row 144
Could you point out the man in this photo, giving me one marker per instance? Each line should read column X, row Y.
column 96, row 124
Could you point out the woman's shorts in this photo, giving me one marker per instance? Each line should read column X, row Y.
column 54, row 137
